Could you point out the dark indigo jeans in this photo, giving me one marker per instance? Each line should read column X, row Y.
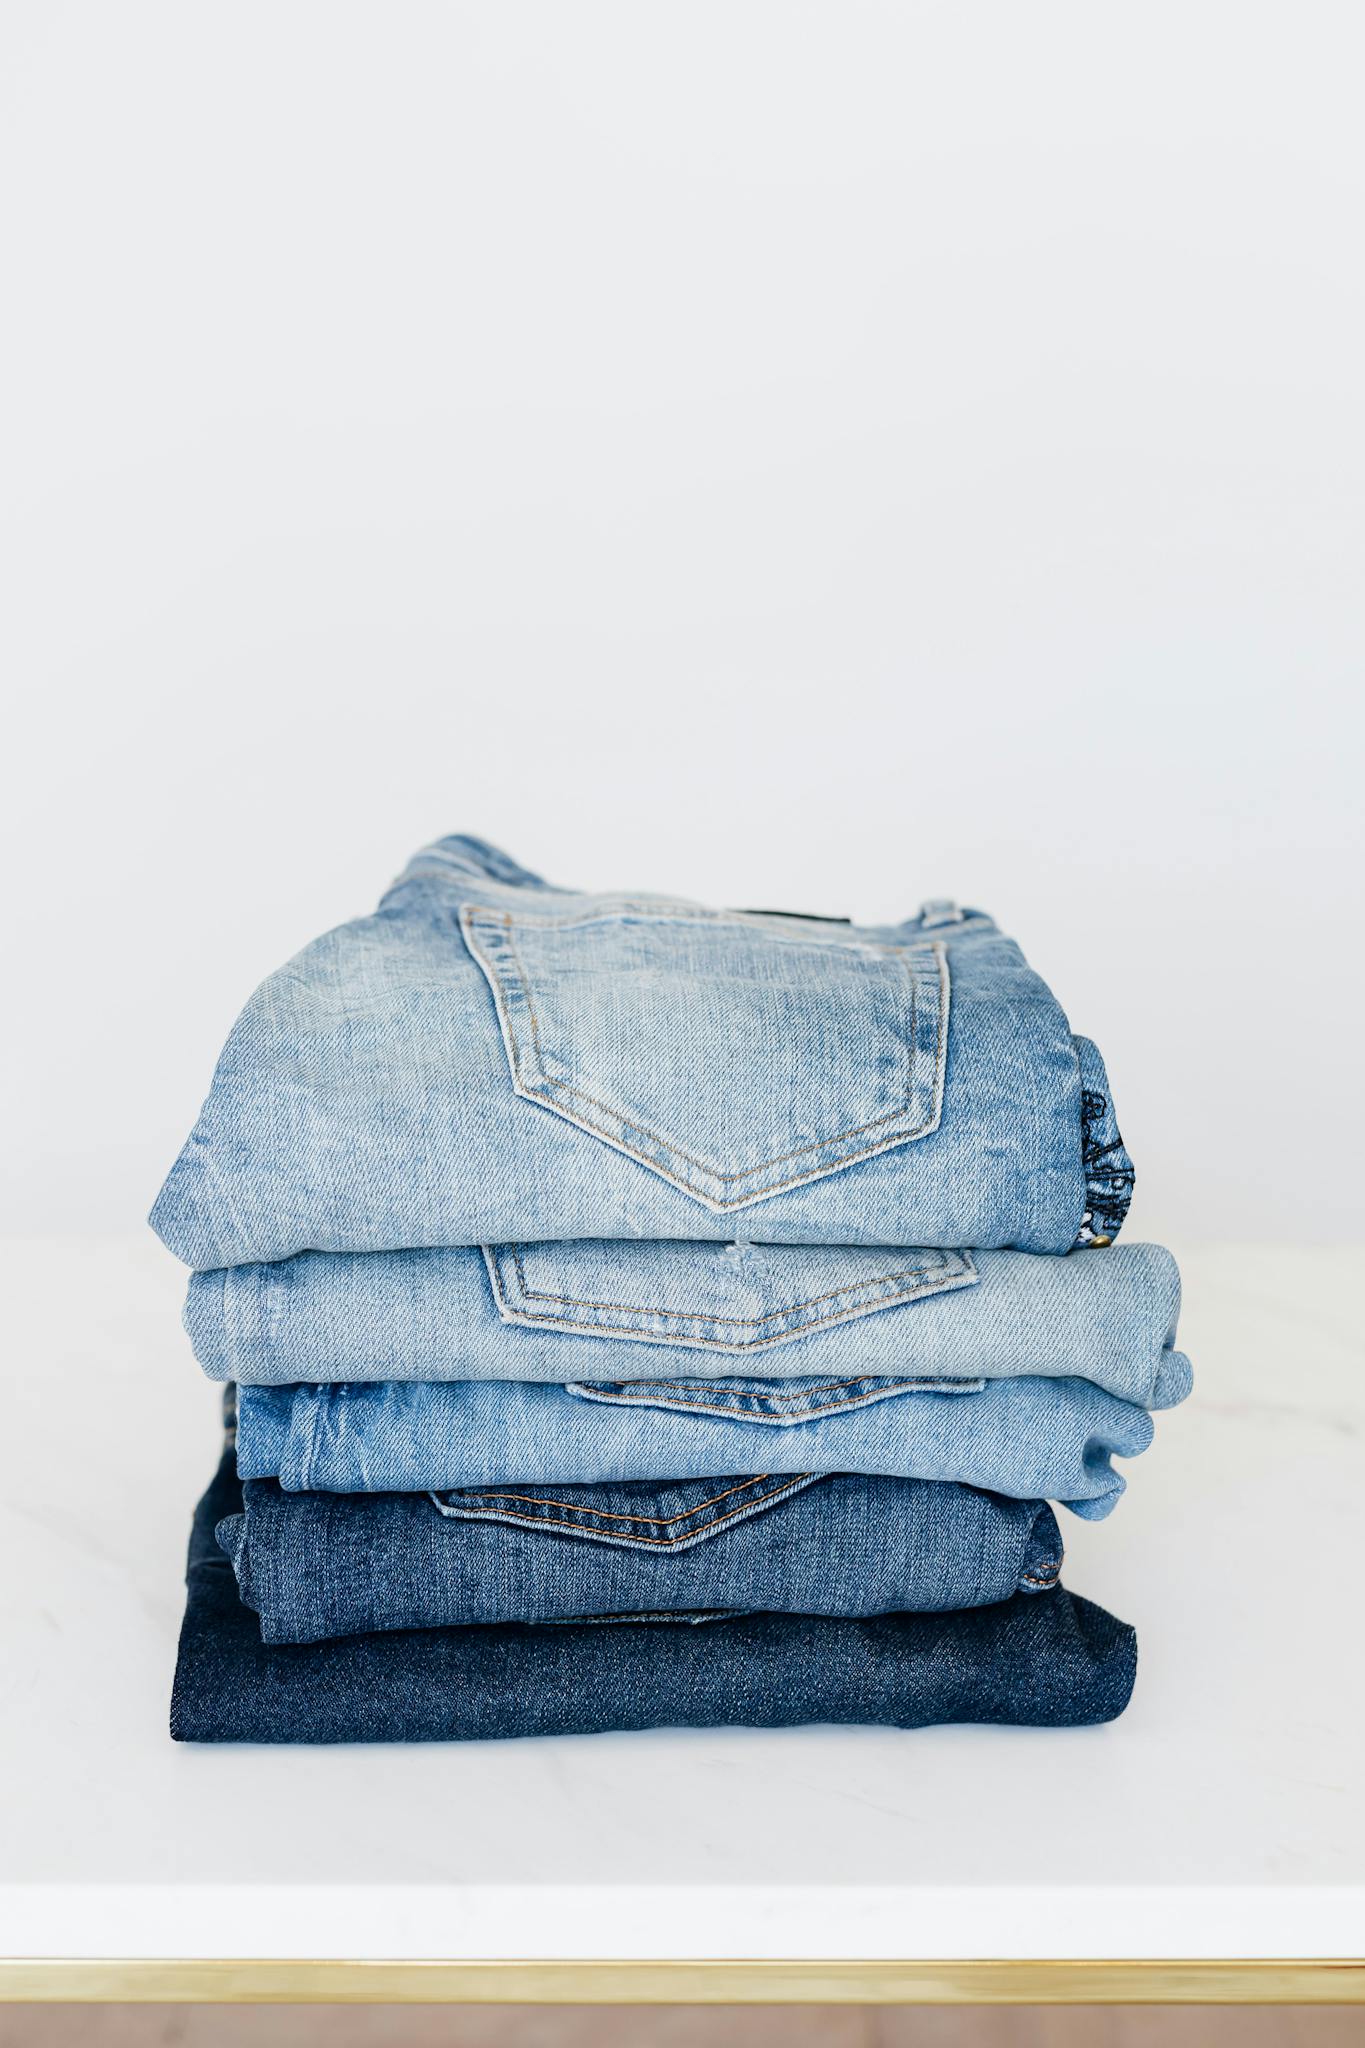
column 315, row 1565
column 1046, row 1661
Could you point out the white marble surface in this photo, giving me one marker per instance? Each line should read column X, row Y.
column 1224, row 1813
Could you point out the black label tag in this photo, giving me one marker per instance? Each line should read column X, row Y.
column 806, row 916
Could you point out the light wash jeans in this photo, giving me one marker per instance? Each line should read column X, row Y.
column 1049, row 1439
column 592, row 1310
column 489, row 1060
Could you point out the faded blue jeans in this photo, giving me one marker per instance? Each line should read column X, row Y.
column 315, row 1565
column 490, row 1060
column 1034, row 1439
column 592, row 1311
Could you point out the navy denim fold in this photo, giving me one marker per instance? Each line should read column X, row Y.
column 1047, row 1661
column 315, row 1565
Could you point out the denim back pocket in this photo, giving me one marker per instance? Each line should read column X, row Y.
column 638, row 1514
column 711, row 1297
column 777, row 1404
column 735, row 1055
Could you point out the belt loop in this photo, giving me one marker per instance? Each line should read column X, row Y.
column 940, row 910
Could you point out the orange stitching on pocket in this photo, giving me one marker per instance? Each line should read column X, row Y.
column 655, row 1521
column 534, row 1500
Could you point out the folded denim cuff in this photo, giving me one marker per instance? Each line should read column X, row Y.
column 1174, row 1379
column 205, row 1321
column 1041, row 1564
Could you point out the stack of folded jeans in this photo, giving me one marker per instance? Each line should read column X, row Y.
column 636, row 1314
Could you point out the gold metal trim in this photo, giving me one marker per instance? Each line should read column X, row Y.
column 221, row 1980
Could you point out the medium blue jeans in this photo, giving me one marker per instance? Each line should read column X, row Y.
column 490, row 1060
column 1048, row 1661
column 1034, row 1439
column 591, row 1311
column 315, row 1565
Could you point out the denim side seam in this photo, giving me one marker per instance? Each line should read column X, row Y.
column 231, row 1334
column 315, row 1406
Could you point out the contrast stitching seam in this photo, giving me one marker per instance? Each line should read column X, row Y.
column 703, row 1165
column 534, row 1500
column 668, row 912
column 667, row 1145
column 801, row 1394
column 918, row 1277
column 664, row 1542
column 823, row 1145
column 654, row 1521
column 735, row 1414
column 737, row 1349
column 664, row 912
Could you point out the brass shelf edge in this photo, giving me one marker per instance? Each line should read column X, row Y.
column 1142, row 1981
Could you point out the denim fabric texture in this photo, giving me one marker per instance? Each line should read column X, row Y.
column 315, row 1565
column 517, row 1214
column 490, row 1060
column 1048, row 1660
column 590, row 1310
column 1034, row 1439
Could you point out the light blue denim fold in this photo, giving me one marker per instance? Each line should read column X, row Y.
column 1035, row 1439
column 592, row 1310
column 490, row 1060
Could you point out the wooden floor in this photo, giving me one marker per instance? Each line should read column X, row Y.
column 381, row 2026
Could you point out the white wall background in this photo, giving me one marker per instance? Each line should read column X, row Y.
column 813, row 455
